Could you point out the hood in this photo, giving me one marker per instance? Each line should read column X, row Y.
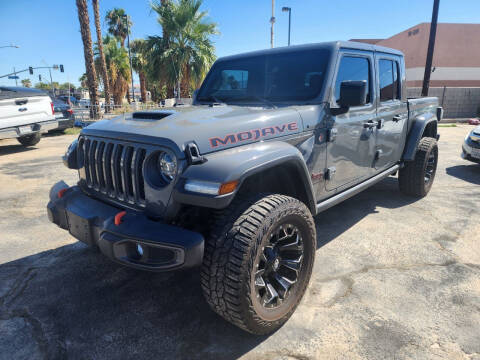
column 212, row 128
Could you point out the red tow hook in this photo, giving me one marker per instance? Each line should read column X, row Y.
column 119, row 216
column 61, row 192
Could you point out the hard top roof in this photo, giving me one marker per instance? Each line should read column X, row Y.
column 331, row 45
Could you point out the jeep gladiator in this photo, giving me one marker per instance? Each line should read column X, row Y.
column 232, row 183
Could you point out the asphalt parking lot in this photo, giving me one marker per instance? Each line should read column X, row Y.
column 394, row 277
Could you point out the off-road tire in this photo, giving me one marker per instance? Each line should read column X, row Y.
column 235, row 244
column 30, row 140
column 412, row 177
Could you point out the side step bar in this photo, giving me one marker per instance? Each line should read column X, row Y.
column 334, row 200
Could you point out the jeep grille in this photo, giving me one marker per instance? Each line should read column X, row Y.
column 114, row 169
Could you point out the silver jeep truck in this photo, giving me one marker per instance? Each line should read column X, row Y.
column 232, row 183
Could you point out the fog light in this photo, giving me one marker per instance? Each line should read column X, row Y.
column 139, row 250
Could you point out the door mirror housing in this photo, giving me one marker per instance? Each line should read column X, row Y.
column 352, row 93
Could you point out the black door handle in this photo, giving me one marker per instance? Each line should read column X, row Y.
column 397, row 118
column 370, row 124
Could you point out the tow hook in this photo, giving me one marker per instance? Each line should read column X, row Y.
column 119, row 216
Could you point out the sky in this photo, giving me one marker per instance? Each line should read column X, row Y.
column 48, row 31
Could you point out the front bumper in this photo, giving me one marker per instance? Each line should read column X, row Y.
column 467, row 149
column 137, row 241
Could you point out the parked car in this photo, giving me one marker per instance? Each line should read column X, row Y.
column 231, row 184
column 71, row 100
column 471, row 146
column 25, row 114
column 84, row 103
column 63, row 114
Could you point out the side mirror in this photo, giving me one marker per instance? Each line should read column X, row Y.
column 352, row 93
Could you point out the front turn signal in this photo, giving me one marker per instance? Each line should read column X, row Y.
column 228, row 187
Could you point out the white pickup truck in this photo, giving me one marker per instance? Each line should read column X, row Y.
column 25, row 114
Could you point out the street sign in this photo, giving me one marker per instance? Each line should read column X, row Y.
column 14, row 77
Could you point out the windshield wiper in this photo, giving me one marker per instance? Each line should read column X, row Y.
column 211, row 98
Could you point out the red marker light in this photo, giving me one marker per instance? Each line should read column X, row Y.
column 119, row 216
column 61, row 192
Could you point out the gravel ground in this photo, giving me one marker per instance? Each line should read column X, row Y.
column 394, row 277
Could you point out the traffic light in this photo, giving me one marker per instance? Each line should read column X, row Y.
column 61, row 68
column 39, row 77
column 30, row 70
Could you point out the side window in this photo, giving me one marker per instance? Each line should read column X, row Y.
column 389, row 80
column 353, row 68
column 233, row 80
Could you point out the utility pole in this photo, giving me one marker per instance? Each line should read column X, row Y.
column 51, row 82
column 431, row 46
column 15, row 74
column 130, row 57
column 272, row 21
column 289, row 10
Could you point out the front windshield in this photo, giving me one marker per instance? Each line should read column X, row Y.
column 290, row 76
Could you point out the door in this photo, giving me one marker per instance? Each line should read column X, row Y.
column 392, row 111
column 351, row 146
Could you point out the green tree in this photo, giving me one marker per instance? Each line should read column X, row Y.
column 118, row 67
column 27, row 83
column 182, row 57
column 43, row 86
column 65, row 86
column 117, row 26
column 84, row 20
column 101, row 55
column 139, row 64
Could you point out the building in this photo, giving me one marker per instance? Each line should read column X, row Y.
column 138, row 93
column 456, row 59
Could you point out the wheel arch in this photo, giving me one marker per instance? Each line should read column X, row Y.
column 423, row 126
column 256, row 167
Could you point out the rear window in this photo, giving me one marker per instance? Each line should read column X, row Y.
column 388, row 75
column 18, row 92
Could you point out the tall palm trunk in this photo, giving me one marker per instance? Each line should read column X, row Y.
column 143, row 86
column 166, row 37
column 185, row 83
column 88, row 54
column 106, row 83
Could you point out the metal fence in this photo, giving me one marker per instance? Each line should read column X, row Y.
column 82, row 113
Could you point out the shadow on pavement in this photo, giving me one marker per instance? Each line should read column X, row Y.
column 78, row 304
column 469, row 173
column 338, row 219
column 13, row 149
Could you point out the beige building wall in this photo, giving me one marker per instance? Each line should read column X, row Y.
column 456, row 57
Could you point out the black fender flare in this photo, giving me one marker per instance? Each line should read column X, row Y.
column 415, row 135
column 240, row 163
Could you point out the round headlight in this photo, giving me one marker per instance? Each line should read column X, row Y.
column 167, row 164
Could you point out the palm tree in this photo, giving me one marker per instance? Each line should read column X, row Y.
column 83, row 81
column 117, row 26
column 118, row 67
column 185, row 52
column 103, row 65
column 27, row 83
column 139, row 64
column 88, row 54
